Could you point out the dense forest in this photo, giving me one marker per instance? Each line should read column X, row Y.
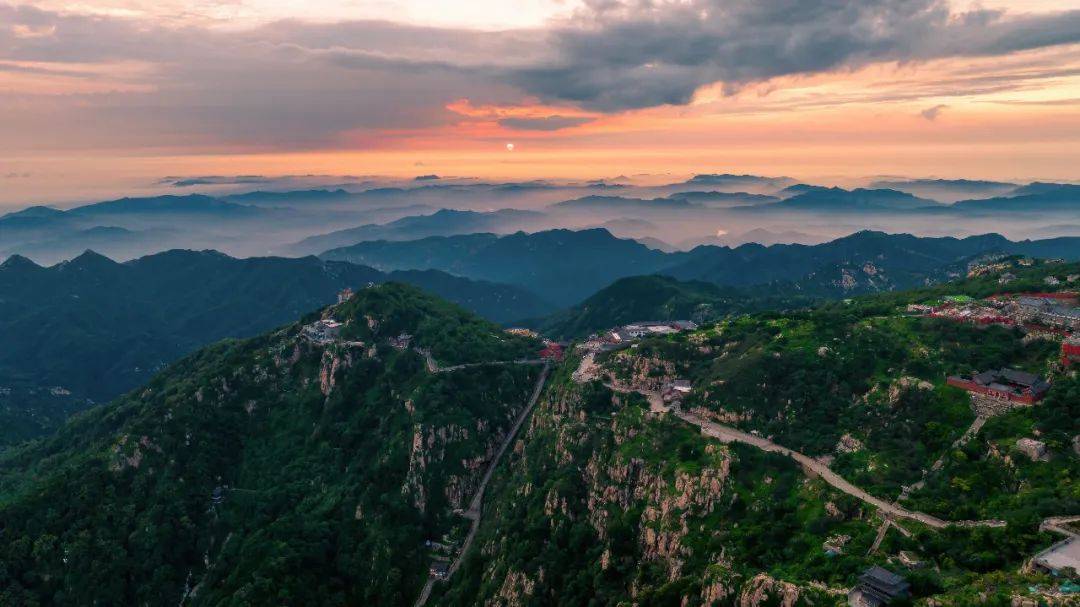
column 266, row 471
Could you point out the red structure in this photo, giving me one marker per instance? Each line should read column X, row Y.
column 1004, row 384
column 1070, row 351
column 552, row 351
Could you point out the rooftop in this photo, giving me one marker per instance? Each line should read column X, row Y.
column 1010, row 377
column 883, row 577
column 1063, row 554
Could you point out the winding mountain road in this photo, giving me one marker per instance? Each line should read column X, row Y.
column 587, row 371
column 729, row 434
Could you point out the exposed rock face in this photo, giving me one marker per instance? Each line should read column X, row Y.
column 764, row 590
column 327, row 371
column 907, row 383
column 848, row 444
column 515, row 591
column 1034, row 449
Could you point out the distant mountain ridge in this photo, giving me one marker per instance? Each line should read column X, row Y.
column 568, row 266
column 443, row 222
column 1036, row 197
column 814, row 198
column 657, row 297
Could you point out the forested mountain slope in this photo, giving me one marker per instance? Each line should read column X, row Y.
column 92, row 328
column 616, row 498
column 657, row 297
column 268, row 471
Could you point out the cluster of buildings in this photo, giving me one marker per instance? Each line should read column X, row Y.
column 1050, row 312
column 637, row 330
column 1054, row 315
column 1054, row 311
column 322, row 331
column 1004, row 384
column 520, row 332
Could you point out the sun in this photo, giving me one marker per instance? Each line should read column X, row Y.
column 509, row 147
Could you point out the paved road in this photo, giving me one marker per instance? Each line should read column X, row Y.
column 473, row 513
column 729, row 434
column 1058, row 524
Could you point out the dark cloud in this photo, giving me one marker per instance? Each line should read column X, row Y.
column 932, row 113
column 644, row 53
column 547, row 123
column 297, row 85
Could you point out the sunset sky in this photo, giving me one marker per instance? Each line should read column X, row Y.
column 103, row 97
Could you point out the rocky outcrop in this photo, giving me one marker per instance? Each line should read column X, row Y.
column 764, row 590
column 514, row 592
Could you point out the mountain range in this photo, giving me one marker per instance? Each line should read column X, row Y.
column 285, row 468
column 91, row 328
column 567, row 266
column 444, row 222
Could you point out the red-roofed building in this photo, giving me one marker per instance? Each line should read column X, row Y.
column 552, row 351
column 1070, row 351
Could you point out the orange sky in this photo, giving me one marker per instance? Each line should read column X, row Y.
column 80, row 122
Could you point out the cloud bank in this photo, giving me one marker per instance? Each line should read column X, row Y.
column 299, row 85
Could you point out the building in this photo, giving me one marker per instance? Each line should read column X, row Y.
column 638, row 330
column 344, row 295
column 1070, row 351
column 522, row 332
column 439, row 570
column 1061, row 559
column 1004, row 384
column 681, row 385
column 877, row 586
column 401, row 342
column 552, row 351
column 1056, row 310
column 323, row 331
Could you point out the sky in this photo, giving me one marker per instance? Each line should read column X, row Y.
column 103, row 97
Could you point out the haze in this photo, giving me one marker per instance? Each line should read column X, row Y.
column 103, row 98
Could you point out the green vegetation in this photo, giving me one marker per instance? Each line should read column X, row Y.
column 277, row 471
column 613, row 507
column 609, row 505
column 331, row 466
column 98, row 328
column 991, row 478
column 641, row 298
